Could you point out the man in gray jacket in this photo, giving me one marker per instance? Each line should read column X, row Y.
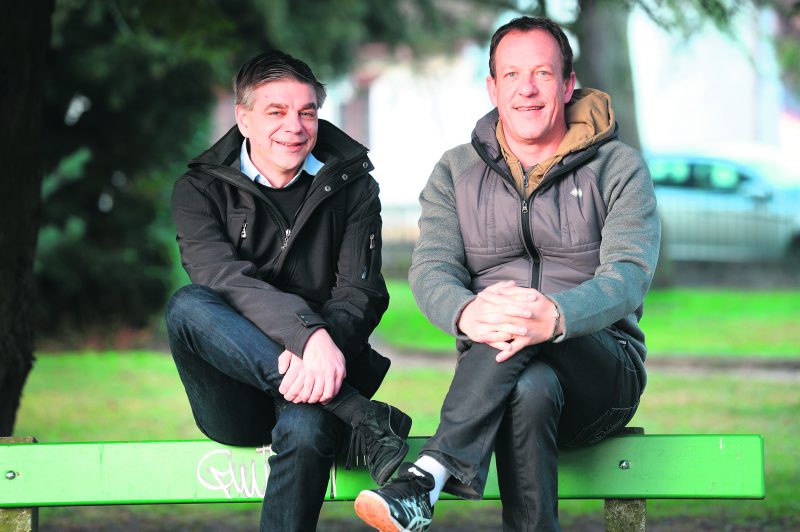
column 538, row 241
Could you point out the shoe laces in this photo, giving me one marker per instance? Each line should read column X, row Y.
column 362, row 444
column 408, row 484
column 358, row 447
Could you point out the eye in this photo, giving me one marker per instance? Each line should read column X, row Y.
column 512, row 75
column 275, row 113
column 543, row 73
column 308, row 114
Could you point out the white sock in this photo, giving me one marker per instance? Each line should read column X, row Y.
column 440, row 474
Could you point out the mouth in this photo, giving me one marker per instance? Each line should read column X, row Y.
column 291, row 145
column 525, row 108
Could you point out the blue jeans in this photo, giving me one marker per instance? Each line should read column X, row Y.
column 229, row 369
column 547, row 396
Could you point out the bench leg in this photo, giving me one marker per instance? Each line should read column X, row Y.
column 626, row 515
column 19, row 519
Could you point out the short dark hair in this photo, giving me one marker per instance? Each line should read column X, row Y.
column 273, row 66
column 526, row 24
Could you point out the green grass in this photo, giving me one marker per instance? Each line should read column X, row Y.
column 678, row 322
column 138, row 396
column 105, row 396
column 723, row 322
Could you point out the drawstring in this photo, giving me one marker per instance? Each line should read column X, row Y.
column 358, row 447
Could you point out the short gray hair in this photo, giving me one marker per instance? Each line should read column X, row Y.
column 273, row 66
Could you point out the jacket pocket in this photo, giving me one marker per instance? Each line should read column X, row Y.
column 370, row 259
column 238, row 230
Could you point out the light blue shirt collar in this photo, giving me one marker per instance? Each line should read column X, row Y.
column 311, row 166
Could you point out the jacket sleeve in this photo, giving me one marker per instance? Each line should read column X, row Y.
column 628, row 249
column 438, row 276
column 210, row 259
column 359, row 297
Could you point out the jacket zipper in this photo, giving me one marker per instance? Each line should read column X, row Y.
column 297, row 218
column 530, row 247
column 275, row 215
column 527, row 233
column 370, row 251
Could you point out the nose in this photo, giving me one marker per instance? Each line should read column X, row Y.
column 527, row 85
column 291, row 123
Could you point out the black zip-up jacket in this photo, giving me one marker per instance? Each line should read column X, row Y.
column 323, row 271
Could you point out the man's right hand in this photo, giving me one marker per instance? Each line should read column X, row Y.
column 318, row 376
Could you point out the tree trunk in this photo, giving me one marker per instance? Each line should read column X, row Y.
column 25, row 37
column 605, row 63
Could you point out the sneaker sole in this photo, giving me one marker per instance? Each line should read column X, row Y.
column 374, row 511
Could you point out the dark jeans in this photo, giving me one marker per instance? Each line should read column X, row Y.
column 568, row 394
column 229, row 369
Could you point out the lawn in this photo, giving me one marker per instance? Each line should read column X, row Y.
column 677, row 322
column 137, row 396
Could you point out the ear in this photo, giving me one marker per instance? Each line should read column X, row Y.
column 491, row 88
column 243, row 120
column 569, row 87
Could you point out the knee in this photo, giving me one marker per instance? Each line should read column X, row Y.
column 309, row 434
column 184, row 305
column 311, row 445
column 537, row 393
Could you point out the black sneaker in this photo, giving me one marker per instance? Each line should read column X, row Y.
column 403, row 505
column 379, row 436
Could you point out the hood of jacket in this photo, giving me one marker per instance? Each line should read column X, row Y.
column 590, row 120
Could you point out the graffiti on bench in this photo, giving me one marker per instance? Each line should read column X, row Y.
column 217, row 470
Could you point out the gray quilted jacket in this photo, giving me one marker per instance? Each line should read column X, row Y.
column 587, row 236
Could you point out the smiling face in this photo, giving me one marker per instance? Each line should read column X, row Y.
column 530, row 93
column 281, row 124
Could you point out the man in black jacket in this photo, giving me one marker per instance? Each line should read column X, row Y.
column 279, row 229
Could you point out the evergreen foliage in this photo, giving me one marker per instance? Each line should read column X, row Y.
column 129, row 90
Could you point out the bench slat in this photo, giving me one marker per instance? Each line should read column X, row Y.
column 67, row 474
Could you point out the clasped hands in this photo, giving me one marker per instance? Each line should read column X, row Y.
column 318, row 376
column 504, row 316
column 508, row 318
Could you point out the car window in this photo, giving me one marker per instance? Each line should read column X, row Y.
column 716, row 176
column 670, row 173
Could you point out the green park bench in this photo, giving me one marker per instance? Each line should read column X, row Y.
column 623, row 470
